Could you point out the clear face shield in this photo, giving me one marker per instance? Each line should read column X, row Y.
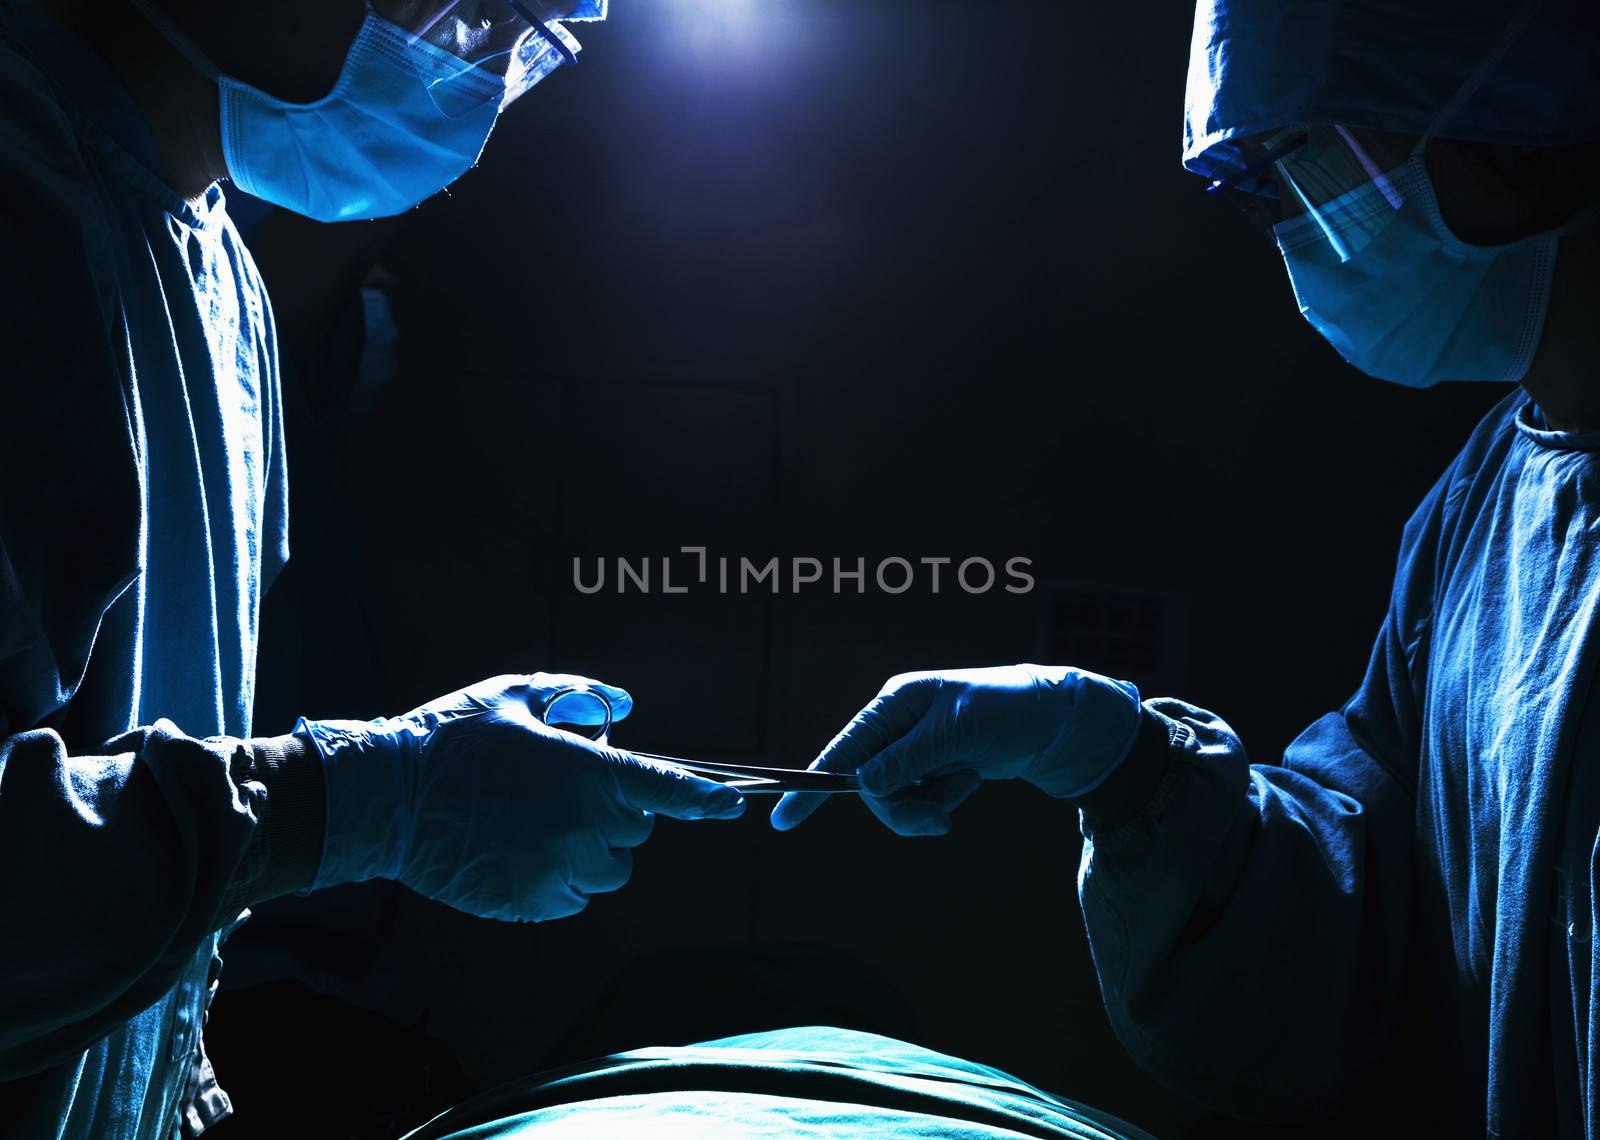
column 505, row 47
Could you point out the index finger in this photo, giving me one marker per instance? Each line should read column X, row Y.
column 665, row 789
column 892, row 714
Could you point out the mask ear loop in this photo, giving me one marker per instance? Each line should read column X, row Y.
column 180, row 42
column 1513, row 32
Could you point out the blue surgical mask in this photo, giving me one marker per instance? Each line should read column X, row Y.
column 1378, row 272
column 404, row 120
column 1414, row 304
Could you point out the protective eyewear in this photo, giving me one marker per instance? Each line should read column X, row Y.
column 1318, row 183
column 505, row 47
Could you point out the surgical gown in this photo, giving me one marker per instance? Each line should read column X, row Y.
column 1397, row 918
column 142, row 493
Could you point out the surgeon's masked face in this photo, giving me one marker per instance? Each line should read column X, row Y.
column 1376, row 264
column 420, row 90
column 1420, row 261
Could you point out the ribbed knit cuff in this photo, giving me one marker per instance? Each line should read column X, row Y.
column 1125, row 792
column 288, row 842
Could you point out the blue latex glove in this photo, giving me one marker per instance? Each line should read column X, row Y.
column 472, row 800
column 1061, row 729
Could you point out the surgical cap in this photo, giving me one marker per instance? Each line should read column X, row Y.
column 1256, row 65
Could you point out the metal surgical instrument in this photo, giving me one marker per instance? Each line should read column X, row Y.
column 749, row 779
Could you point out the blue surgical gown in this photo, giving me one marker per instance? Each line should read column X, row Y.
column 1399, row 913
column 142, row 514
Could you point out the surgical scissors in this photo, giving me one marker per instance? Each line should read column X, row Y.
column 747, row 778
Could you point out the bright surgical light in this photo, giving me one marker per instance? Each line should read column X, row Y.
column 738, row 31
column 728, row 14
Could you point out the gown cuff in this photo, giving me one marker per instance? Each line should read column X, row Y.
column 1128, row 790
column 287, row 846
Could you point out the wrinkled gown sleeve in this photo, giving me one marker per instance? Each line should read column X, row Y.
column 114, row 867
column 1250, row 923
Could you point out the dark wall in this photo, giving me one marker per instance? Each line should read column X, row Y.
column 807, row 277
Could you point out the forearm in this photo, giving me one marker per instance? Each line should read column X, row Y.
column 118, row 867
column 1249, row 952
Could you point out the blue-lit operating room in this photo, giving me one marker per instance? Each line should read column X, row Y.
column 978, row 571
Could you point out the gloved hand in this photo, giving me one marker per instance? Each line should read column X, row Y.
column 1061, row 729
column 472, row 800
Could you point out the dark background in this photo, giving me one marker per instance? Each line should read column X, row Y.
column 818, row 278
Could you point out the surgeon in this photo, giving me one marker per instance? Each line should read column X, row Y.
column 142, row 516
column 1391, row 929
